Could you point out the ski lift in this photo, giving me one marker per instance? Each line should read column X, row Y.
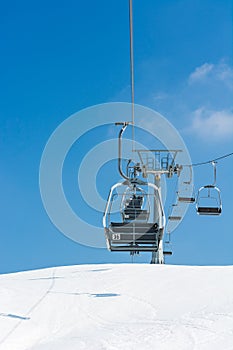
column 134, row 219
column 128, row 218
column 208, row 200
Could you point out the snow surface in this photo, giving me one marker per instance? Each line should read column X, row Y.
column 111, row 307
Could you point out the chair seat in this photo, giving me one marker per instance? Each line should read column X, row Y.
column 209, row 210
column 186, row 199
column 133, row 227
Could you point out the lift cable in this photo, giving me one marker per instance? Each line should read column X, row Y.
column 131, row 68
column 210, row 161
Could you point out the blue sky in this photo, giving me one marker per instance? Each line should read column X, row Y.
column 60, row 57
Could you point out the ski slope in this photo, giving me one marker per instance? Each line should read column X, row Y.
column 117, row 307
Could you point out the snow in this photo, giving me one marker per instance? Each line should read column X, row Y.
column 122, row 306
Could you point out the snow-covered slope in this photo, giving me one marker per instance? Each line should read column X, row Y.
column 117, row 307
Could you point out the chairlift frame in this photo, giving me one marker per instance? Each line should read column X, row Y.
column 137, row 234
column 211, row 190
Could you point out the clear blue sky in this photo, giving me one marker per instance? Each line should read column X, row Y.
column 58, row 57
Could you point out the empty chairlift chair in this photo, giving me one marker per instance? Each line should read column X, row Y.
column 209, row 198
column 209, row 201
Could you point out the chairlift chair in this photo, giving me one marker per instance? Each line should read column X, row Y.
column 134, row 230
column 210, row 194
column 208, row 200
column 184, row 198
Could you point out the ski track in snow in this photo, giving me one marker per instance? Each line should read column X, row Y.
column 116, row 307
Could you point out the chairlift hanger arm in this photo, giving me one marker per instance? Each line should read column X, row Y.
column 214, row 166
column 124, row 126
